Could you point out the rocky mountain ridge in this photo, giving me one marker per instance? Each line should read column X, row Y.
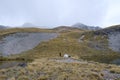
column 85, row 27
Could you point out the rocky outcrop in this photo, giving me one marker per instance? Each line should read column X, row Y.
column 113, row 35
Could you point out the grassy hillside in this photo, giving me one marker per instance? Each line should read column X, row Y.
column 91, row 47
column 83, row 46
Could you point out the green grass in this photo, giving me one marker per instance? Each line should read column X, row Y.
column 67, row 42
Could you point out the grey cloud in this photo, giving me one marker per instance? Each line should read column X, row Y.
column 53, row 13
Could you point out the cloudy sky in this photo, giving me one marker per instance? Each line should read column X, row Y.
column 52, row 13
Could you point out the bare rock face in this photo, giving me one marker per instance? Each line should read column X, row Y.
column 19, row 42
column 113, row 34
column 114, row 41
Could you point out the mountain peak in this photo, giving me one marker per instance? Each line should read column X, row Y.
column 28, row 25
column 3, row 27
column 86, row 27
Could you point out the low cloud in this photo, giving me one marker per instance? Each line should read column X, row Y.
column 51, row 13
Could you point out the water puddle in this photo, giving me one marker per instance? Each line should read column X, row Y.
column 8, row 64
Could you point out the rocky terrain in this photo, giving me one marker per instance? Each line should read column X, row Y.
column 114, row 41
column 19, row 42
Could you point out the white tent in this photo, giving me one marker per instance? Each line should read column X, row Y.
column 66, row 56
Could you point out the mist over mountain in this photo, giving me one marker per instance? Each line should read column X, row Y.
column 3, row 27
column 29, row 25
column 86, row 27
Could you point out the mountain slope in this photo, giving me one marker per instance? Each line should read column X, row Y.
column 87, row 45
column 19, row 42
column 89, row 51
column 113, row 35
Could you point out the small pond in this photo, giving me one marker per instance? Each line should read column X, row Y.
column 8, row 64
